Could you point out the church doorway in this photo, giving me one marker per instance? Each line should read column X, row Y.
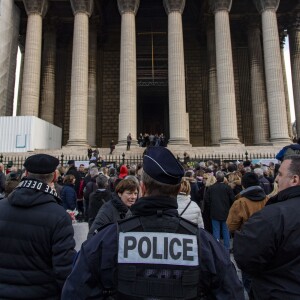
column 153, row 110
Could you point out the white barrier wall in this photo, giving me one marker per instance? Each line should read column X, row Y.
column 21, row 134
column 9, row 34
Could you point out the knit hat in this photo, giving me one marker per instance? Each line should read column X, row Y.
column 41, row 164
column 161, row 165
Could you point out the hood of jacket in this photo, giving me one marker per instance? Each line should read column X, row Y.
column 24, row 197
column 254, row 193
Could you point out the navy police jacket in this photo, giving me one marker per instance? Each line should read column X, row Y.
column 124, row 264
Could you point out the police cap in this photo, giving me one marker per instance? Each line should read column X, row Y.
column 41, row 164
column 161, row 165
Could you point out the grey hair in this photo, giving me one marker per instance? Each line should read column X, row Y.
column 94, row 172
column 102, row 181
column 259, row 172
column 220, row 176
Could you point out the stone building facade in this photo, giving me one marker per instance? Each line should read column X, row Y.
column 204, row 73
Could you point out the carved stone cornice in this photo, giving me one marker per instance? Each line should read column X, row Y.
column 174, row 5
column 131, row 6
column 39, row 7
column 216, row 5
column 83, row 6
column 263, row 5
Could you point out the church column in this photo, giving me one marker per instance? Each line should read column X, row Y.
column 294, row 39
column 258, row 89
column 179, row 131
column 213, row 86
column 80, row 69
column 128, row 84
column 48, row 75
column 273, row 71
column 92, row 95
column 225, row 76
column 282, row 37
column 36, row 10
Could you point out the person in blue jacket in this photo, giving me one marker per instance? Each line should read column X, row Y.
column 154, row 254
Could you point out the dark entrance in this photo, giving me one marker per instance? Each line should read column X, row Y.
column 153, row 108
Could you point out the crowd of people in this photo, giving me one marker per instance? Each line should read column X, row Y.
column 253, row 205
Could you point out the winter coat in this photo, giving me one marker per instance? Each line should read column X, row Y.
column 268, row 247
column 110, row 212
column 96, row 200
column 218, row 198
column 69, row 196
column 96, row 267
column 192, row 213
column 248, row 202
column 37, row 245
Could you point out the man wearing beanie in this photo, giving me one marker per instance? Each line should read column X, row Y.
column 250, row 200
column 155, row 254
column 36, row 233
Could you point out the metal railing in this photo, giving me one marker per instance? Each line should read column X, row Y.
column 117, row 160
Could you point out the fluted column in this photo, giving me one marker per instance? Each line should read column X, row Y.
column 273, row 71
column 128, row 85
column 92, row 96
column 48, row 75
column 258, row 89
column 213, row 86
column 36, row 10
column 82, row 10
column 179, row 131
column 225, row 76
column 294, row 39
column 282, row 36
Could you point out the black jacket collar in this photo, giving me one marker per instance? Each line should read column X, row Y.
column 291, row 192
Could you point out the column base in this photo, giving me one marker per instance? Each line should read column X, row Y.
column 82, row 143
column 229, row 141
column 179, row 142
column 280, row 141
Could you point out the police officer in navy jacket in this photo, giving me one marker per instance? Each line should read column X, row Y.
column 155, row 254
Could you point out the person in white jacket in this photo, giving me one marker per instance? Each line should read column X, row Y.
column 187, row 208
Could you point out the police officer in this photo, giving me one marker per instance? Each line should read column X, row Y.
column 155, row 254
column 36, row 233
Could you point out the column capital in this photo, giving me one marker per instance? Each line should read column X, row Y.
column 39, row 7
column 131, row 6
column 83, row 6
column 262, row 5
column 174, row 5
column 216, row 5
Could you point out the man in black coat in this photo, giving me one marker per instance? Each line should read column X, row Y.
column 219, row 198
column 268, row 245
column 36, row 233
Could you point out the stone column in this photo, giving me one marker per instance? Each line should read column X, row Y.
column 282, row 36
column 92, row 95
column 294, row 38
column 128, row 85
column 225, row 76
column 80, row 70
column 36, row 10
column 273, row 71
column 213, row 86
column 48, row 75
column 258, row 89
column 179, row 131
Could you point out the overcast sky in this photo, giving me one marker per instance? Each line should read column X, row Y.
column 288, row 74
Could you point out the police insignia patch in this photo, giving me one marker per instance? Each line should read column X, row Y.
column 158, row 248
